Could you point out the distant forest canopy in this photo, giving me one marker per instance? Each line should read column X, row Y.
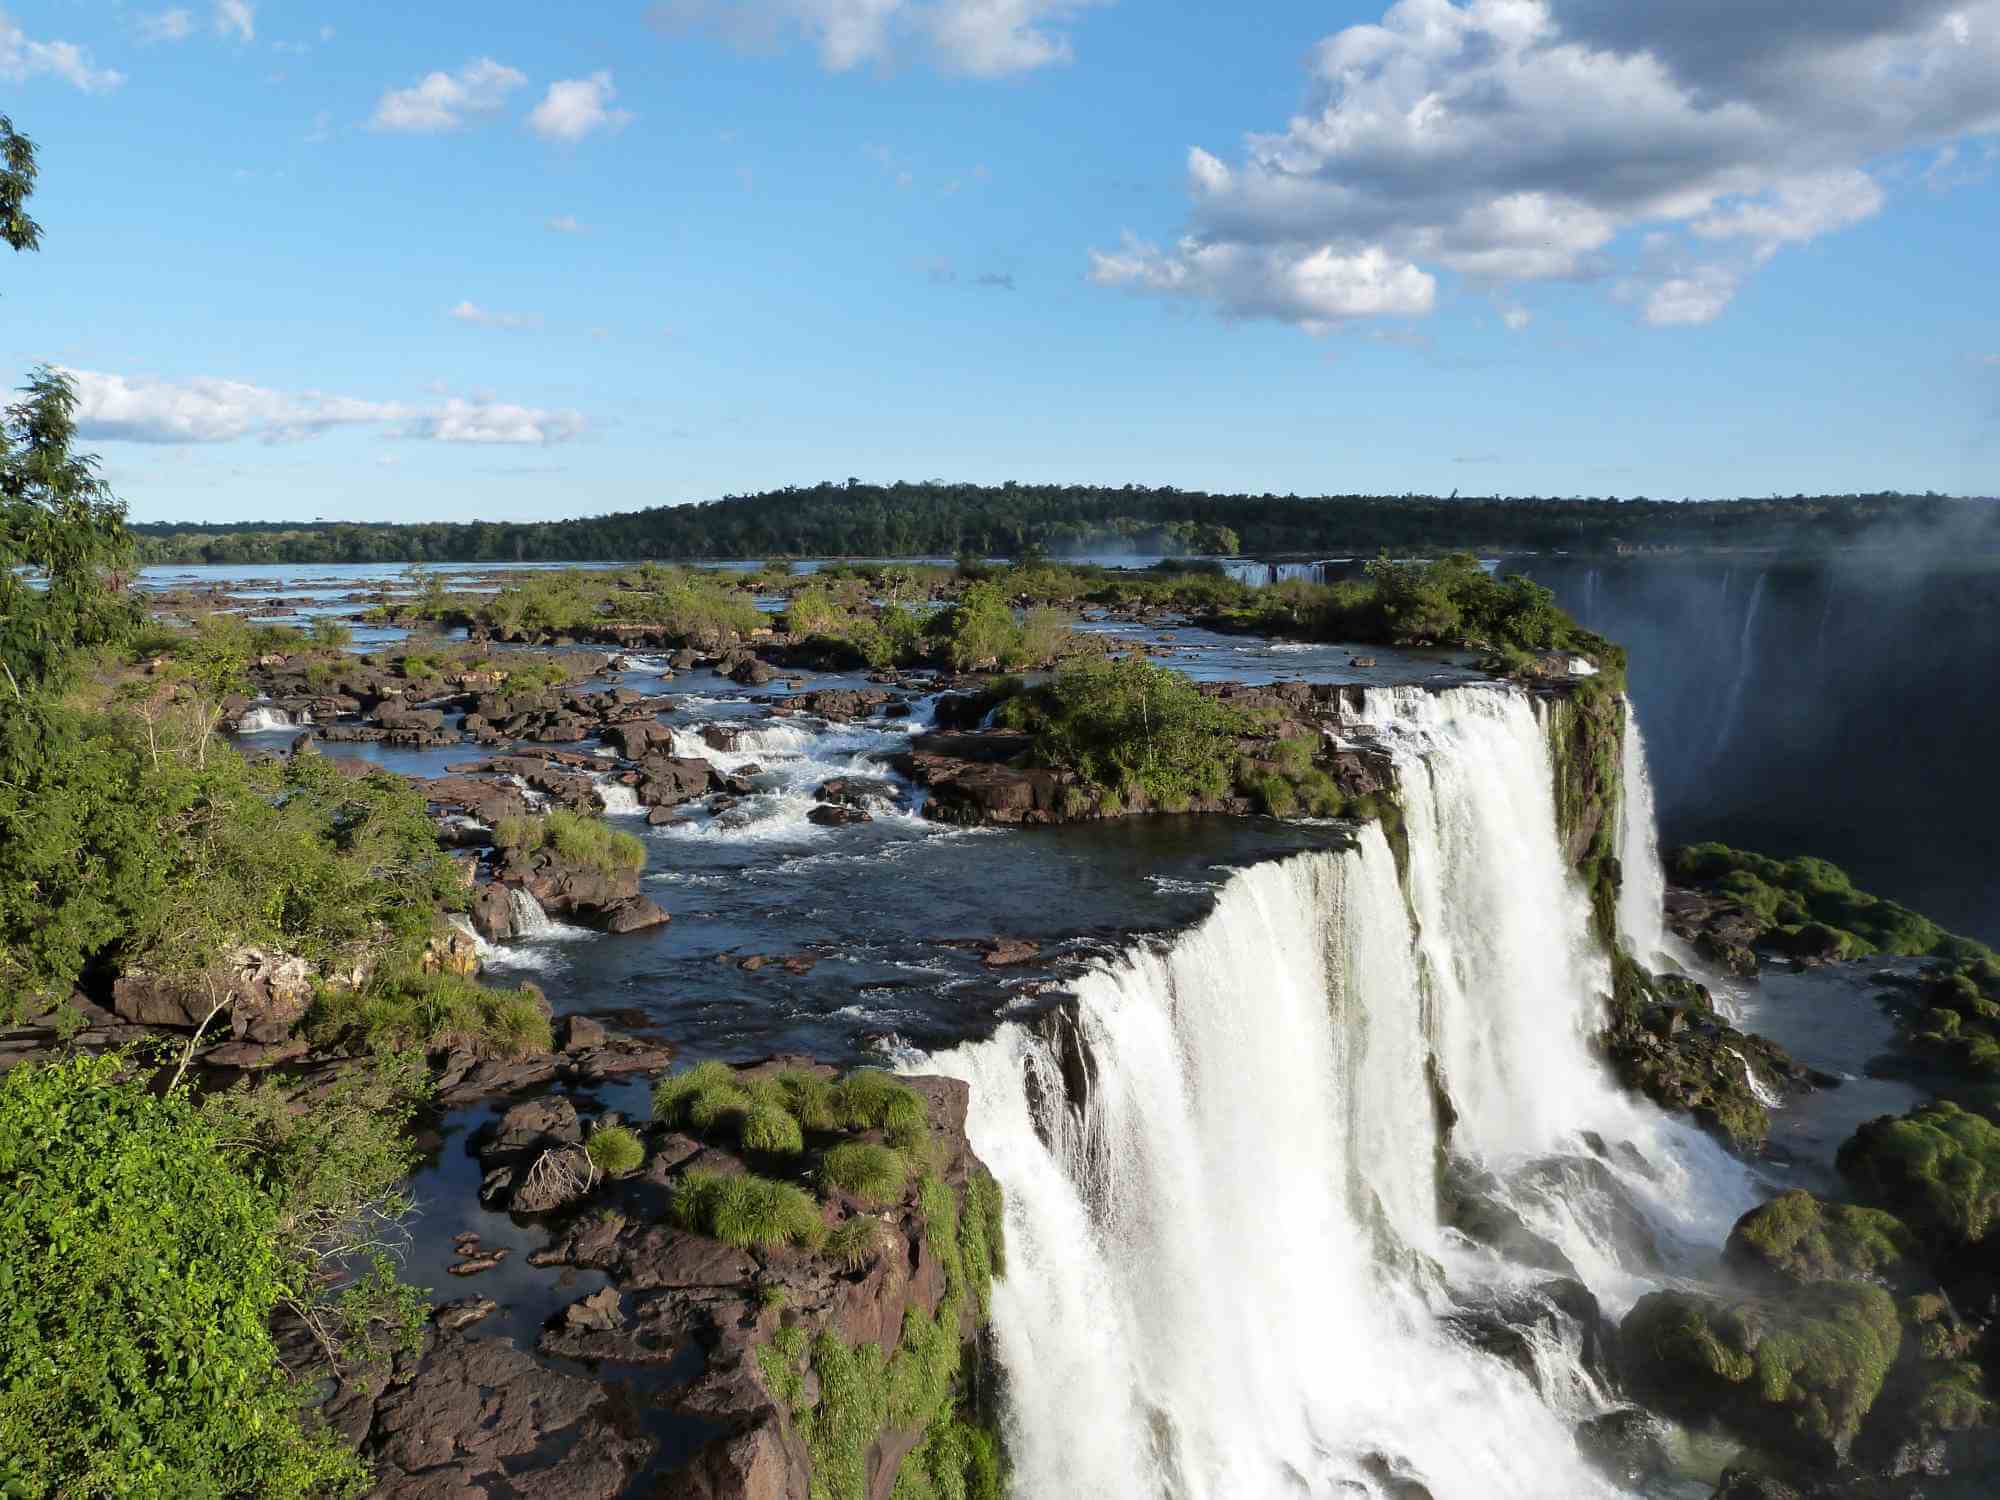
column 945, row 520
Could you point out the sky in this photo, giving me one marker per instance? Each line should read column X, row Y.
column 353, row 261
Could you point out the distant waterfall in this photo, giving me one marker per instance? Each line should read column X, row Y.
column 263, row 719
column 1746, row 663
column 619, row 800
column 1227, row 1275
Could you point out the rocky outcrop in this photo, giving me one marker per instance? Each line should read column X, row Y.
column 606, row 899
column 262, row 994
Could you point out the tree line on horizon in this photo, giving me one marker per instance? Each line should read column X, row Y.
column 937, row 519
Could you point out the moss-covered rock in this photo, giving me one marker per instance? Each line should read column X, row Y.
column 1937, row 1168
column 1797, row 1237
column 1794, row 1376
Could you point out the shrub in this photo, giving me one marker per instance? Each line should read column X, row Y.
column 697, row 1098
column 142, row 1265
column 329, row 633
column 854, row 1242
column 767, row 1126
column 615, row 1150
column 874, row 1174
column 746, row 1211
column 408, row 1008
column 809, row 1098
column 593, row 843
column 869, row 1099
column 1130, row 725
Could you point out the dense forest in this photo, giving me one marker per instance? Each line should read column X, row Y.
column 935, row 519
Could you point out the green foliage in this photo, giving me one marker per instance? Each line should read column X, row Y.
column 169, row 852
column 854, row 1242
column 615, row 1150
column 870, row 1099
column 874, row 1174
column 1130, row 726
column 407, row 1008
column 698, row 1097
column 59, row 526
column 746, row 1210
column 140, row 1266
column 329, row 634
column 575, row 839
column 978, row 631
column 1798, row 1237
column 1937, row 1169
column 767, row 1126
column 17, row 185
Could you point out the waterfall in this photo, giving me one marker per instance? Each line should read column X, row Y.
column 530, row 921
column 1642, row 891
column 619, row 800
column 1228, row 1278
column 267, row 720
column 1746, row 662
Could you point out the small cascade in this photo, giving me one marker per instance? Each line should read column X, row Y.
column 264, row 719
column 530, row 921
column 1228, row 1272
column 461, row 924
column 619, row 800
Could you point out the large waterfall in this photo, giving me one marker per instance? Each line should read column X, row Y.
column 1642, row 893
column 1229, row 1276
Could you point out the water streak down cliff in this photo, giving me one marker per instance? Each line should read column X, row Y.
column 1841, row 707
column 1230, row 1271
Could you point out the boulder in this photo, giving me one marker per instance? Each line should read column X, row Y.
column 1797, row 1238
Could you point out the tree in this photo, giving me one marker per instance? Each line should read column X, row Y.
column 60, row 521
column 17, row 185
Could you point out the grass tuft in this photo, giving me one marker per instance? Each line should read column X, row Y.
column 615, row 1150
column 874, row 1174
column 747, row 1211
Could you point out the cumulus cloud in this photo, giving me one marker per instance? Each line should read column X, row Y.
column 208, row 409
column 236, row 18
column 22, row 58
column 1515, row 318
column 445, row 101
column 1316, row 288
column 982, row 38
column 565, row 224
column 167, row 26
column 1510, row 141
column 575, row 107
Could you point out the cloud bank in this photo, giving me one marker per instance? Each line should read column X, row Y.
column 209, row 409
column 1669, row 151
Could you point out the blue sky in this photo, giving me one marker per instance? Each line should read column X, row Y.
column 535, row 261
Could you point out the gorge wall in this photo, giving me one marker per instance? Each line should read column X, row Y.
column 1844, row 708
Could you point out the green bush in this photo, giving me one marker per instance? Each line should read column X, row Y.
column 874, row 1174
column 869, row 1099
column 767, row 1126
column 614, row 1150
column 577, row 840
column 747, row 1211
column 854, row 1242
column 329, row 634
column 141, row 1267
column 409, row 1008
column 1130, row 725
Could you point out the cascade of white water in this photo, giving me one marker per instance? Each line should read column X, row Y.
column 619, row 800
column 265, row 720
column 1642, row 891
column 1225, row 1257
column 530, row 921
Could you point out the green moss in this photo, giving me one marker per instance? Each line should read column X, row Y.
column 746, row 1210
column 1938, row 1169
column 1797, row 1375
column 874, row 1174
column 1801, row 1238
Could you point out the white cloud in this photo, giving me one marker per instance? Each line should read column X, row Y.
column 564, row 224
column 486, row 317
column 444, row 101
column 460, row 421
column 575, row 107
column 1315, row 288
column 168, row 26
column 237, row 18
column 22, row 59
column 982, row 38
column 1512, row 141
column 208, row 409
column 1515, row 318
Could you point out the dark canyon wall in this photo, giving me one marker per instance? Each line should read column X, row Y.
column 1848, row 708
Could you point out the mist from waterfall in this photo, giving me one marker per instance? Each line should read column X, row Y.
column 1228, row 1275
